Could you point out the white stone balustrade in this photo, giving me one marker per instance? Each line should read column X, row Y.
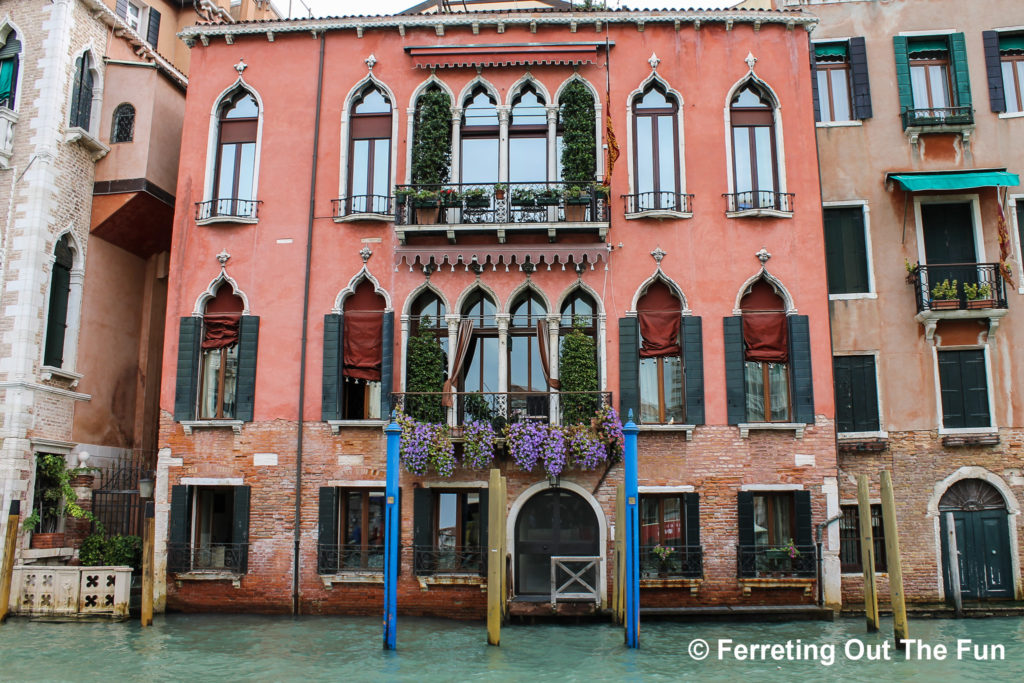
column 55, row 591
column 7, row 120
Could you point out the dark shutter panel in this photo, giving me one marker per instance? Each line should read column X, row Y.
column 153, row 30
column 177, row 537
column 843, row 379
column 57, row 316
column 958, row 51
column 629, row 368
column 865, row 394
column 899, row 45
column 801, row 383
column 12, row 48
column 484, row 539
column 834, row 269
column 240, row 528
column 330, row 402
column 951, row 389
column 859, row 77
column 248, row 341
column 975, row 382
column 327, row 551
column 387, row 363
column 814, row 85
column 994, row 69
column 745, row 533
column 692, row 503
column 693, row 368
column 121, row 7
column 186, row 387
column 735, row 395
column 804, row 536
column 422, row 527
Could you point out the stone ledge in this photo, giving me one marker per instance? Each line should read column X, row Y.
column 872, row 445
column 807, row 584
column 452, row 580
column 352, row 577
column 244, row 220
column 214, row 575
column 48, row 372
column 658, row 213
column 959, row 440
column 669, row 428
column 190, row 425
column 759, row 213
column 692, row 584
column 796, row 427
column 336, row 425
column 97, row 149
column 365, row 217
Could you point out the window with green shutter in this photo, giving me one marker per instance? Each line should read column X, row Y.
column 60, row 294
column 846, row 256
column 933, row 80
column 10, row 52
column 209, row 529
column 963, row 383
column 450, row 531
column 856, row 394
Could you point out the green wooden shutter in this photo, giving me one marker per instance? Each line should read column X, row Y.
column 975, row 382
column 177, row 537
column 248, row 342
column 745, row 531
column 57, row 315
column 422, row 528
column 121, row 8
column 961, row 78
column 846, row 257
column 691, row 501
column 327, row 539
column 994, row 71
column 843, row 380
column 387, row 363
column 801, row 381
column 629, row 368
column 899, row 45
column 865, row 394
column 802, row 500
column 815, row 97
column 735, row 393
column 484, row 538
column 861, row 84
column 11, row 48
column 952, row 390
column 186, row 386
column 330, row 401
column 153, row 29
column 240, row 527
column 693, row 368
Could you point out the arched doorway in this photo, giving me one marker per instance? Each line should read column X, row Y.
column 555, row 521
column 982, row 539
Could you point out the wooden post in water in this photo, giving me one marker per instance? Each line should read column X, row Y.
column 954, row 565
column 894, row 562
column 867, row 553
column 7, row 569
column 148, row 531
column 619, row 572
column 504, row 550
column 495, row 557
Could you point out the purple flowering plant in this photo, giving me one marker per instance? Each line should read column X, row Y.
column 585, row 450
column 525, row 441
column 425, row 445
column 478, row 448
column 609, row 432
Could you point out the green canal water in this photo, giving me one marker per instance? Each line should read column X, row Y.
column 230, row 648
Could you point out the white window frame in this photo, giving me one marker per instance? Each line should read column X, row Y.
column 845, row 123
column 1016, row 220
column 940, row 418
column 73, row 320
column 210, row 181
column 141, row 10
column 346, row 142
column 974, row 199
column 881, row 433
column 872, row 293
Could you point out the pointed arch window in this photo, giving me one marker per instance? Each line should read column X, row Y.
column 427, row 358
column 528, row 357
column 766, row 355
column 659, row 312
column 528, row 138
column 754, row 154
column 363, row 353
column 123, row 124
column 10, row 52
column 476, row 360
column 60, row 294
column 235, row 170
column 219, row 366
column 82, row 92
column 656, row 141
column 369, row 172
column 479, row 138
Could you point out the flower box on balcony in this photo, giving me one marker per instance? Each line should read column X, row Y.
column 981, row 303
column 945, row 304
column 478, row 201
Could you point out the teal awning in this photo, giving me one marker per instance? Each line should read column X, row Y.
column 1011, row 42
column 927, row 45
column 833, row 49
column 916, row 182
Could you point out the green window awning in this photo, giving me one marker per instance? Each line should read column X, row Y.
column 927, row 45
column 832, row 49
column 917, row 182
column 1015, row 42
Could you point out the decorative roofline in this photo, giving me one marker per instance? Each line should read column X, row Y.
column 500, row 19
column 142, row 48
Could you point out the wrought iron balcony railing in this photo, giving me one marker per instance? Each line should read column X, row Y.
column 228, row 208
column 658, row 201
column 506, row 203
column 958, row 286
column 185, row 557
column 754, row 200
column 353, row 557
column 501, row 408
column 938, row 116
column 755, row 561
column 362, row 204
column 671, row 561
column 471, row 560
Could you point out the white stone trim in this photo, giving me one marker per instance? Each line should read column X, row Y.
column 866, row 211
column 199, row 309
column 1011, row 115
column 660, row 275
column 881, row 433
column 337, row 425
column 655, row 77
column 411, row 118
column 796, row 427
column 527, row 79
column 357, row 483
column 11, row 25
column 454, row 484
column 660, row 428
column 768, row 488
column 975, row 200
column 214, row 136
column 363, row 274
column 31, row 386
column 776, row 284
column 96, row 107
column 190, row 425
column 940, row 419
column 346, row 143
column 929, row 32
column 686, row 488
column 838, row 124
column 520, row 289
column 212, row 481
column 467, row 293
column 780, row 154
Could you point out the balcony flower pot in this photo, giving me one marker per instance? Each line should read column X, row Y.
column 945, row 304
column 427, row 214
column 476, row 198
column 499, row 191
column 575, row 212
column 41, row 541
column 981, row 303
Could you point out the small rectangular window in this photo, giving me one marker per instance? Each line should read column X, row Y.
column 856, row 394
column 134, row 16
column 361, row 529
column 849, row 539
column 846, row 256
column 209, row 529
column 1011, row 58
column 666, row 550
column 456, row 533
column 832, row 71
column 963, row 384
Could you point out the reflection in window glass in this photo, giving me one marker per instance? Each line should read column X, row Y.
column 527, row 160
column 480, row 160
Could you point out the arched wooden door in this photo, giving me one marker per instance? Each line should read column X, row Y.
column 982, row 539
column 553, row 522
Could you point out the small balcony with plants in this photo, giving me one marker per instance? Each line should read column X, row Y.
column 945, row 291
column 776, row 566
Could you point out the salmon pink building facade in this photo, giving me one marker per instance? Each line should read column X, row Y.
column 516, row 228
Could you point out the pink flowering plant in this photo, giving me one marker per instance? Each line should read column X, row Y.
column 478, row 448
column 791, row 550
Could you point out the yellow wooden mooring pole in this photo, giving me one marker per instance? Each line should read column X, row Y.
column 7, row 569
column 867, row 553
column 619, row 592
column 148, row 532
column 894, row 563
column 495, row 556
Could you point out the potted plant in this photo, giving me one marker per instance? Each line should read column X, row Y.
column 912, row 269
column 945, row 296
column 578, row 194
column 476, row 197
column 979, row 295
column 524, row 196
column 54, row 500
column 548, row 196
column 402, row 194
column 499, row 191
column 664, row 554
column 450, row 197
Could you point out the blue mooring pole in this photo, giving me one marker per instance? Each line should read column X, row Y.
column 392, row 533
column 632, row 531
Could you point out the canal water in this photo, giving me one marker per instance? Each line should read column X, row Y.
column 233, row 648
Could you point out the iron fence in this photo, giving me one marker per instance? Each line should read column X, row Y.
column 186, row 557
column 361, row 204
column 502, row 408
column 228, row 207
column 776, row 560
column 937, row 116
column 658, row 201
column 958, row 286
column 428, row 560
column 671, row 561
column 334, row 558
column 115, row 499
column 760, row 199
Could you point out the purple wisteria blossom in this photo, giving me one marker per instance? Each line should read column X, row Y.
column 525, row 442
column 478, row 448
column 555, row 451
column 585, row 450
column 609, row 432
column 424, row 446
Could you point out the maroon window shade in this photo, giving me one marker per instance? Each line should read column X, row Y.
column 220, row 330
column 764, row 335
column 659, row 331
column 371, row 125
column 363, row 345
column 238, row 131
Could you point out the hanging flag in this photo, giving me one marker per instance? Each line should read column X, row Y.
column 1004, row 241
column 613, row 149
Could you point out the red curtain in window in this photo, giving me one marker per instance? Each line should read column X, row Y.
column 545, row 364
column 220, row 330
column 764, row 334
column 658, row 312
column 363, row 345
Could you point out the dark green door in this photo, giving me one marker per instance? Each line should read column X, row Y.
column 983, row 547
column 553, row 522
column 948, row 238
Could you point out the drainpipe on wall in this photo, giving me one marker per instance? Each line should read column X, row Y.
column 305, row 328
